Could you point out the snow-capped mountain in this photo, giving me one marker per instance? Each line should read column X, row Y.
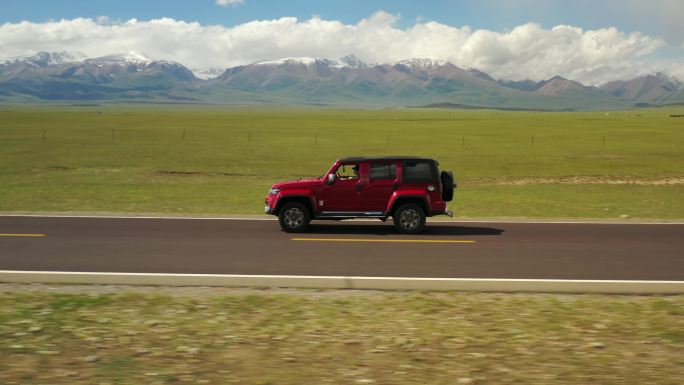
column 71, row 77
column 350, row 62
column 423, row 64
column 306, row 80
column 133, row 62
column 288, row 60
column 353, row 62
column 46, row 59
column 208, row 73
column 138, row 59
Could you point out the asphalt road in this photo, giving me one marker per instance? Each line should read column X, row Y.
column 481, row 250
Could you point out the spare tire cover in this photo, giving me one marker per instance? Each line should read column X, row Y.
column 448, row 185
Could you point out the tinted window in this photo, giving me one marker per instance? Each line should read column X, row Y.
column 419, row 172
column 383, row 171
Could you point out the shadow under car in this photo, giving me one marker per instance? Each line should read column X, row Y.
column 388, row 229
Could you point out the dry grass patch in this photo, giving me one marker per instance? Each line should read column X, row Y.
column 579, row 180
column 224, row 336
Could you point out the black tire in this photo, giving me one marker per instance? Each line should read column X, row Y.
column 294, row 217
column 448, row 185
column 409, row 219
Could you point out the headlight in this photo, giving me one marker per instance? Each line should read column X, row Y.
column 274, row 191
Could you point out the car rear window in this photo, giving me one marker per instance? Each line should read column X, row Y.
column 383, row 171
column 419, row 172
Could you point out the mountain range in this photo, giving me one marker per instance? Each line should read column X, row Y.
column 348, row 81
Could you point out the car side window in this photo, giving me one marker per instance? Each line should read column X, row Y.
column 418, row 172
column 383, row 171
column 348, row 171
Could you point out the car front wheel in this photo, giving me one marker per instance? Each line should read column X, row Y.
column 409, row 219
column 294, row 217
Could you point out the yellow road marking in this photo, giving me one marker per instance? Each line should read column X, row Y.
column 22, row 235
column 383, row 240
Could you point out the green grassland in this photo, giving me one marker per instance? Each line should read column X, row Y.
column 98, row 335
column 216, row 160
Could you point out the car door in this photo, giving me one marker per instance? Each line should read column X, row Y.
column 343, row 195
column 380, row 184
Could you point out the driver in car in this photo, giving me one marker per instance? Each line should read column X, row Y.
column 349, row 177
column 356, row 172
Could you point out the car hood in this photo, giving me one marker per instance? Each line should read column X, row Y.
column 301, row 183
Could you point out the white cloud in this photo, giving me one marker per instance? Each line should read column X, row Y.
column 527, row 51
column 663, row 16
column 229, row 3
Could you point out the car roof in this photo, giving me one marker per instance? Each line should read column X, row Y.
column 374, row 158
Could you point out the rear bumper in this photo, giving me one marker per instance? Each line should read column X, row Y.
column 439, row 208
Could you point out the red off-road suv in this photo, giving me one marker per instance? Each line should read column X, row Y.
column 408, row 189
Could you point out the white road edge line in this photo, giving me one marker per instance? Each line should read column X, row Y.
column 349, row 282
column 135, row 217
column 349, row 220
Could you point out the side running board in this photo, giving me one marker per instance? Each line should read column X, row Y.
column 351, row 214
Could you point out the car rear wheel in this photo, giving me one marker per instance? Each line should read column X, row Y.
column 409, row 219
column 294, row 217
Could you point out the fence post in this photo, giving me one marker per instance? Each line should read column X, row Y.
column 603, row 141
column 44, row 133
column 532, row 140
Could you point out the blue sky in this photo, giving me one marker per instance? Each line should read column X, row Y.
column 500, row 15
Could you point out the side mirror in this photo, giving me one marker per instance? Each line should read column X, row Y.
column 331, row 178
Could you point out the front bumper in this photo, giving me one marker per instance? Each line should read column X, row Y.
column 269, row 204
